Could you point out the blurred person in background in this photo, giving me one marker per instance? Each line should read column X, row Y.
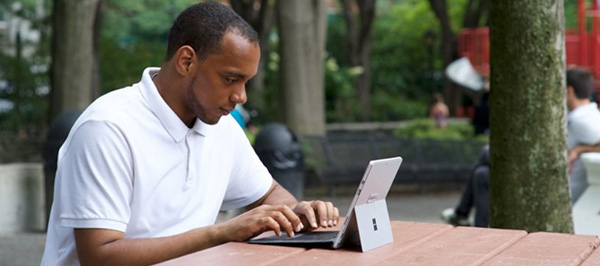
column 583, row 126
column 481, row 119
column 439, row 111
column 474, row 195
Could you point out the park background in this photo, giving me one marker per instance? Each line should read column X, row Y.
column 370, row 63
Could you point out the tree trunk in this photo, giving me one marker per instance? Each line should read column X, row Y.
column 529, row 184
column 359, row 45
column 72, row 54
column 96, row 78
column 302, row 25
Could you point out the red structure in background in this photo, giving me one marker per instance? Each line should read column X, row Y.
column 582, row 47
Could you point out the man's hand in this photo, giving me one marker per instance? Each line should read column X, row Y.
column 573, row 155
column 279, row 218
column 311, row 213
column 317, row 213
column 578, row 150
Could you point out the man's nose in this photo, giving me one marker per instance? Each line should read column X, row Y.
column 239, row 95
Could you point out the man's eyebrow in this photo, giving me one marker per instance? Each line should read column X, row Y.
column 234, row 74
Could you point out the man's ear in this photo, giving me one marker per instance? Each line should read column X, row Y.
column 184, row 60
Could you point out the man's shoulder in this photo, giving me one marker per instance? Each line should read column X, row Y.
column 122, row 108
column 117, row 105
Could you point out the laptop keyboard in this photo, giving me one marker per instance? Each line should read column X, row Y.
column 316, row 235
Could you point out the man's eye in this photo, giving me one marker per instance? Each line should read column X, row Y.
column 230, row 80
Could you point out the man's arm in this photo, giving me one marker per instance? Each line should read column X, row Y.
column 578, row 150
column 110, row 247
column 272, row 212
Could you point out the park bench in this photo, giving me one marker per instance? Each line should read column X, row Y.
column 342, row 159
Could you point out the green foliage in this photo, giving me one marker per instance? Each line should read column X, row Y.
column 141, row 20
column 122, row 65
column 24, row 73
column 401, row 59
column 570, row 14
column 388, row 107
column 402, row 82
column 426, row 129
column 336, row 39
column 341, row 103
column 270, row 109
column 27, row 90
column 134, row 36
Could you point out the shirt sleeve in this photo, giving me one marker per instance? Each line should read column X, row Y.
column 94, row 178
column 587, row 133
column 250, row 180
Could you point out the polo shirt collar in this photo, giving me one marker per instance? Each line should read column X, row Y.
column 202, row 128
column 170, row 121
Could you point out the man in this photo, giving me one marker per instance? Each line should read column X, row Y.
column 146, row 169
column 583, row 126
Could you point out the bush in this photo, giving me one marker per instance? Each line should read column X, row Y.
column 390, row 107
column 426, row 129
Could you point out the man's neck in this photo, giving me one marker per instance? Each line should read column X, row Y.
column 580, row 103
column 168, row 91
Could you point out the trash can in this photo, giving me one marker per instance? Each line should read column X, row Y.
column 59, row 130
column 281, row 152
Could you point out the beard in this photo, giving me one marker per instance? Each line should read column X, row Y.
column 194, row 105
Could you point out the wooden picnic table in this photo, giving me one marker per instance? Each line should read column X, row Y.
column 420, row 244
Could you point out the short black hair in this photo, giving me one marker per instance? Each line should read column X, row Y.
column 582, row 82
column 203, row 25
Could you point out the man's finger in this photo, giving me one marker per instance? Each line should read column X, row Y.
column 283, row 222
column 321, row 210
column 336, row 215
column 329, row 206
column 297, row 225
column 271, row 223
column 306, row 209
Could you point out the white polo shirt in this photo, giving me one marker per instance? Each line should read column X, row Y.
column 130, row 164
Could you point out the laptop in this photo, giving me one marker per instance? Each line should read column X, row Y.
column 367, row 223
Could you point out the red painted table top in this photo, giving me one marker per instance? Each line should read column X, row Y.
column 420, row 244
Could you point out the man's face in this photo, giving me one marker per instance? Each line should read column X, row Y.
column 220, row 82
